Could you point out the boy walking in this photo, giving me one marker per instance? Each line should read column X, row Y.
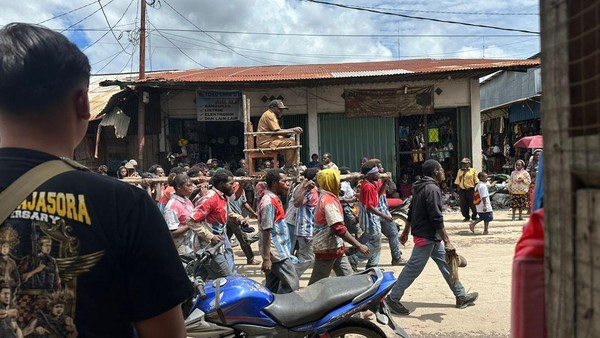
column 274, row 236
column 481, row 199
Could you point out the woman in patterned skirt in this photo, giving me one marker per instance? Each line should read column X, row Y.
column 518, row 186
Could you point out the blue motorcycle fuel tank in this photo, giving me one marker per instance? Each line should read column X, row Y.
column 241, row 300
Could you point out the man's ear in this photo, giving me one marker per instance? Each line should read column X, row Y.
column 82, row 104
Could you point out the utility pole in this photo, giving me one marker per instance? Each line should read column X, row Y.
column 142, row 75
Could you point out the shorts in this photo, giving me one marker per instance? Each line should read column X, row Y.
column 486, row 216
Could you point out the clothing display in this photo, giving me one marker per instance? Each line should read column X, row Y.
column 423, row 137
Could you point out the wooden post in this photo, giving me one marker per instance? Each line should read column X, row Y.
column 141, row 130
column 246, row 113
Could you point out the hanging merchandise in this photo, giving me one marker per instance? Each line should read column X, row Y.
column 434, row 135
column 403, row 133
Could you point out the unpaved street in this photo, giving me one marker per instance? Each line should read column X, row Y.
column 429, row 298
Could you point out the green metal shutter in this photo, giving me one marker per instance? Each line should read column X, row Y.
column 291, row 121
column 349, row 139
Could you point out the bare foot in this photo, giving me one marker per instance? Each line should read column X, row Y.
column 472, row 227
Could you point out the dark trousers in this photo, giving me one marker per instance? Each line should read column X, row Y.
column 233, row 227
column 283, row 277
column 466, row 202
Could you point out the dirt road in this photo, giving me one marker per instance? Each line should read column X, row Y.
column 429, row 298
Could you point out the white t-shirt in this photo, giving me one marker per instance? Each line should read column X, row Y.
column 484, row 194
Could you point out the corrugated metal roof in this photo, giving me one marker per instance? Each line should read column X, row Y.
column 99, row 96
column 336, row 70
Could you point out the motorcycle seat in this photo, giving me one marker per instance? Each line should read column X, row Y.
column 316, row 300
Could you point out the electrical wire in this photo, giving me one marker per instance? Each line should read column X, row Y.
column 182, row 52
column 390, row 35
column 354, row 56
column 420, row 17
column 108, row 63
column 111, row 27
column 69, row 12
column 210, row 36
column 448, row 12
column 80, row 21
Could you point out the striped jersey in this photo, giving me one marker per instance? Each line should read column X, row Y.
column 272, row 217
column 368, row 198
column 305, row 214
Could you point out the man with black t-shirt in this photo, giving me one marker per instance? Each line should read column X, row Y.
column 116, row 263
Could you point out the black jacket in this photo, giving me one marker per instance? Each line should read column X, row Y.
column 425, row 213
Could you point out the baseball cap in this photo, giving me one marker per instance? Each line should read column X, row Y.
column 465, row 160
column 278, row 103
column 128, row 165
column 133, row 162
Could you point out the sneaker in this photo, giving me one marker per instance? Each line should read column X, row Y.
column 234, row 242
column 399, row 262
column 247, row 229
column 397, row 308
column 466, row 300
column 474, row 218
column 252, row 261
column 466, row 219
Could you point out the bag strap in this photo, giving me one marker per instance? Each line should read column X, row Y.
column 18, row 191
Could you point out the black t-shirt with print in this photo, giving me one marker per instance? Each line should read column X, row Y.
column 98, row 246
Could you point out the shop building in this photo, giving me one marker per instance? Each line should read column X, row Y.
column 510, row 110
column 402, row 112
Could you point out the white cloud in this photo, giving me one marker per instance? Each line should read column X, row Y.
column 284, row 16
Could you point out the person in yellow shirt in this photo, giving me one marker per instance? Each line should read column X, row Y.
column 466, row 179
column 268, row 122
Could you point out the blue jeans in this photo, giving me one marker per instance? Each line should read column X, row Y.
column 306, row 256
column 415, row 266
column 389, row 230
column 373, row 242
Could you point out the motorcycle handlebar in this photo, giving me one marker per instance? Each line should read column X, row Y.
column 209, row 252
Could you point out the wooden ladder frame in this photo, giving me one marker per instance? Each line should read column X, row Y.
column 253, row 152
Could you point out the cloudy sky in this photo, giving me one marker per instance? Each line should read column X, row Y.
column 185, row 34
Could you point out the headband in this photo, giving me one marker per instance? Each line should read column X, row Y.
column 374, row 170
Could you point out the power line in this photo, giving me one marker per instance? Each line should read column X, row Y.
column 80, row 21
column 210, row 36
column 111, row 28
column 448, row 12
column 420, row 17
column 182, row 52
column 69, row 12
column 109, row 62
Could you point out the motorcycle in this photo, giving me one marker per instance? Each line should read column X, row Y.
column 399, row 210
column 241, row 307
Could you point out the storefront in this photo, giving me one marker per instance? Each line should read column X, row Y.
column 503, row 127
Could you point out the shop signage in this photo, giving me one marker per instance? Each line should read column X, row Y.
column 389, row 102
column 219, row 105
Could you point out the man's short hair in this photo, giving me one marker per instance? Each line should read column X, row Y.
column 273, row 177
column 179, row 180
column 38, row 68
column 194, row 171
column 153, row 168
column 221, row 176
column 241, row 172
column 328, row 155
column 480, row 175
column 429, row 166
column 344, row 170
column 311, row 173
column 367, row 166
column 177, row 170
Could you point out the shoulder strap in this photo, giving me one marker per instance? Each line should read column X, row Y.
column 18, row 191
